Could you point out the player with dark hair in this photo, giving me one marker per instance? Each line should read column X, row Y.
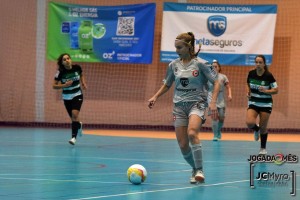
column 261, row 85
column 221, row 101
column 190, row 75
column 70, row 79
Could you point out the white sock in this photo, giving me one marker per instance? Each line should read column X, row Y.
column 189, row 158
column 197, row 154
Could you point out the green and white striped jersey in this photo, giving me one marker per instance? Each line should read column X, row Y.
column 267, row 81
column 73, row 74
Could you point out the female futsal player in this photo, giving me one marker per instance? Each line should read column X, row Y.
column 190, row 75
column 69, row 78
column 261, row 86
column 221, row 102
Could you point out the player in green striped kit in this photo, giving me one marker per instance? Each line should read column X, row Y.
column 261, row 86
column 70, row 79
column 190, row 75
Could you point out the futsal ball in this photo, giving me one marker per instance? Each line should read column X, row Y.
column 136, row 174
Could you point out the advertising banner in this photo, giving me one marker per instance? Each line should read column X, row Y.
column 231, row 34
column 116, row 34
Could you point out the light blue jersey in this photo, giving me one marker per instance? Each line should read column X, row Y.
column 221, row 103
column 191, row 80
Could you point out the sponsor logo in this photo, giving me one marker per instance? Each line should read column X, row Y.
column 195, row 73
column 184, row 82
column 216, row 25
column 108, row 55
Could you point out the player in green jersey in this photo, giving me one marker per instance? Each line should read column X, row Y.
column 261, row 85
column 70, row 79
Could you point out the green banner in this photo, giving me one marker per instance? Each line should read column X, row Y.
column 114, row 34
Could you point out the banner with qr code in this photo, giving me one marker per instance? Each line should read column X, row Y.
column 231, row 34
column 114, row 34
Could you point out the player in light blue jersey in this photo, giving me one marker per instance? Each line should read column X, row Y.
column 221, row 101
column 261, row 86
column 190, row 76
column 70, row 79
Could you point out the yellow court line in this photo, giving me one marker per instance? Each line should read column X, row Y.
column 285, row 137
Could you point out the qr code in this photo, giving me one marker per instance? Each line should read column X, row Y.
column 125, row 26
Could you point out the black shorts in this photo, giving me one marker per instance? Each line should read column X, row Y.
column 73, row 104
column 260, row 109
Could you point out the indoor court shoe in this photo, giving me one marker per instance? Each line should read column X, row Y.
column 72, row 141
column 192, row 179
column 215, row 139
column 80, row 130
column 262, row 151
column 199, row 176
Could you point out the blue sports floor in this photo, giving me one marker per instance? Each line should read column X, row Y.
column 37, row 163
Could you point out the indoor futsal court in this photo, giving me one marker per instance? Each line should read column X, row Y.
column 38, row 163
column 123, row 49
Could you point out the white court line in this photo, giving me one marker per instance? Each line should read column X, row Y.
column 126, row 194
column 140, row 160
column 57, row 180
column 165, row 190
column 227, row 184
column 153, row 191
column 126, row 159
column 89, row 174
column 84, row 181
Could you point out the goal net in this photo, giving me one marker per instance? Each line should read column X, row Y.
column 117, row 94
